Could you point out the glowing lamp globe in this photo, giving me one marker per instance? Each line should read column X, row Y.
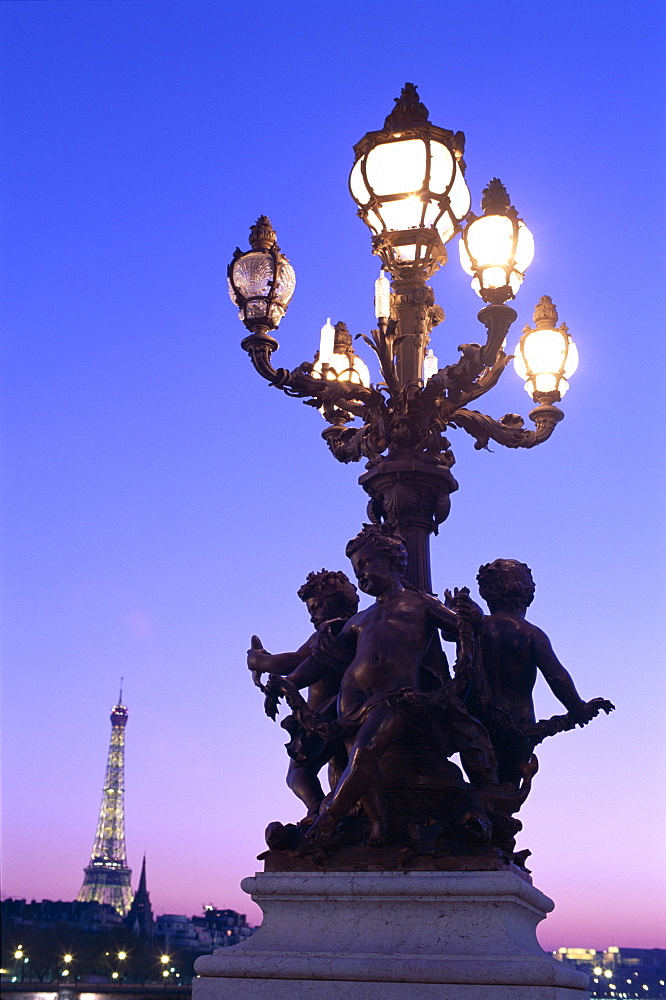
column 261, row 280
column 496, row 247
column 341, row 363
column 408, row 181
column 546, row 356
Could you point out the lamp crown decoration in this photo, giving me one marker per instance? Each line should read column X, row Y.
column 262, row 234
column 343, row 338
column 545, row 314
column 495, row 199
column 408, row 110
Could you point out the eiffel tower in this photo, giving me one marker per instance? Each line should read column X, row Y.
column 107, row 877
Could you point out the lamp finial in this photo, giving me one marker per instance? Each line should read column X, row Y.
column 545, row 314
column 262, row 234
column 408, row 110
column 496, row 200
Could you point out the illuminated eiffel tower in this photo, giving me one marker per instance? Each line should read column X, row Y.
column 107, row 877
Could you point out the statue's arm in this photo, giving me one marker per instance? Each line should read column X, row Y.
column 449, row 620
column 443, row 617
column 261, row 661
column 557, row 677
column 308, row 672
column 326, row 652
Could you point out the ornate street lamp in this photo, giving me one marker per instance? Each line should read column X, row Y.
column 408, row 182
column 496, row 247
column 546, row 356
column 340, row 362
column 261, row 280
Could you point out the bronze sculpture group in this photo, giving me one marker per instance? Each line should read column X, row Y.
column 386, row 713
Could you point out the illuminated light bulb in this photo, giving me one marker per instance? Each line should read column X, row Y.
column 341, row 369
column 343, row 365
column 382, row 297
column 430, row 366
column 326, row 341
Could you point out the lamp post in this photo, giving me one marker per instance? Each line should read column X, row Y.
column 408, row 180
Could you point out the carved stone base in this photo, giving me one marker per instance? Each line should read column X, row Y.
column 391, row 936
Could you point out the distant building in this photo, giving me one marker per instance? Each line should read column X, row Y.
column 226, row 927
column 215, row 929
column 624, row 973
column 92, row 917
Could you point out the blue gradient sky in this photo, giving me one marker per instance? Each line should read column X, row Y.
column 161, row 503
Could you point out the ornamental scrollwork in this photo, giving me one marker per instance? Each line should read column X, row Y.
column 397, row 418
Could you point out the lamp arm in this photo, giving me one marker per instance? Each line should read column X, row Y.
column 509, row 430
column 260, row 347
column 489, row 378
column 301, row 383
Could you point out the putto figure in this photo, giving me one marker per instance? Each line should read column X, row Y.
column 511, row 651
column 384, row 648
column 385, row 711
column 331, row 598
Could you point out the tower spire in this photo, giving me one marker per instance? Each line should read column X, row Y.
column 107, row 877
column 140, row 917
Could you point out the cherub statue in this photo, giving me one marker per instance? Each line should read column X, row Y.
column 511, row 653
column 383, row 648
column 330, row 598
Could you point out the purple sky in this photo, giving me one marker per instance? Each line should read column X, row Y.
column 161, row 503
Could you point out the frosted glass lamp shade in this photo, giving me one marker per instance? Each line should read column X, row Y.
column 261, row 281
column 344, row 369
column 546, row 358
column 497, row 247
column 409, row 177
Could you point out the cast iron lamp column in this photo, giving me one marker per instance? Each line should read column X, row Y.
column 408, row 182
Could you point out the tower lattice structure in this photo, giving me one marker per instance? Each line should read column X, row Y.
column 107, row 877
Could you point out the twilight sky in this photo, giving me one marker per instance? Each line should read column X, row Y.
column 162, row 503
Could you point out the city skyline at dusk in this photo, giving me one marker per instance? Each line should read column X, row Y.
column 162, row 504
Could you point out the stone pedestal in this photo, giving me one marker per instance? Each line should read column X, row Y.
column 430, row 935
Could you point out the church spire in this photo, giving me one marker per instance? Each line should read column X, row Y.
column 140, row 917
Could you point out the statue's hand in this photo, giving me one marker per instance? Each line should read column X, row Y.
column 257, row 658
column 463, row 605
column 590, row 709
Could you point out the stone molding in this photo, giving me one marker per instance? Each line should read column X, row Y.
column 348, row 934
